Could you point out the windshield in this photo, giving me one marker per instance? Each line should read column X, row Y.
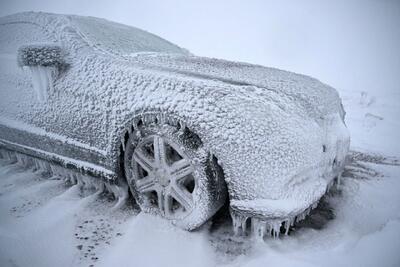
column 121, row 39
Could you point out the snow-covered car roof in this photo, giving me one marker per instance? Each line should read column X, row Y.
column 121, row 39
column 103, row 35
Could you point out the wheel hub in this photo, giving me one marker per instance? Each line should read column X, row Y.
column 162, row 176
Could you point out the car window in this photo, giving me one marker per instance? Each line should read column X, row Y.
column 17, row 95
column 120, row 39
column 13, row 35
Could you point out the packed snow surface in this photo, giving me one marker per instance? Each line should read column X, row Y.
column 279, row 136
column 44, row 222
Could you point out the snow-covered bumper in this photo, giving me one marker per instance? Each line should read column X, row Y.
column 285, row 191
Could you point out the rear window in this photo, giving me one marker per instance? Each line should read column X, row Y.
column 121, row 39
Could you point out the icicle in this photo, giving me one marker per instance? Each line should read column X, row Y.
column 236, row 224
column 288, row 223
column 20, row 159
column 13, row 157
column 5, row 155
column 149, row 119
column 182, row 126
column 158, row 119
column 163, row 119
column 37, row 166
column 169, row 120
column 146, row 119
column 79, row 181
column 239, row 223
column 23, row 160
column 123, row 143
column 339, row 180
column 54, row 171
column 276, row 228
column 172, row 121
column 46, row 167
column 259, row 228
column 328, row 187
column 120, row 193
column 244, row 224
column 42, row 80
column 73, row 177
column 263, row 226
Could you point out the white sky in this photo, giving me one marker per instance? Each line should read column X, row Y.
column 353, row 44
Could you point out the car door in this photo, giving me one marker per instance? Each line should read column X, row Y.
column 17, row 97
column 46, row 117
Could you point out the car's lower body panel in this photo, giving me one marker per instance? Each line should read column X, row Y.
column 62, row 151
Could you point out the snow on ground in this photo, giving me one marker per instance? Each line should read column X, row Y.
column 44, row 222
column 373, row 120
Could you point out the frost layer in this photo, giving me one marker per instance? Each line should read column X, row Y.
column 279, row 136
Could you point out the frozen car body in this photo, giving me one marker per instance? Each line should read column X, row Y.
column 280, row 137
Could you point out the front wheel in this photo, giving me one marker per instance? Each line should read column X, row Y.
column 171, row 175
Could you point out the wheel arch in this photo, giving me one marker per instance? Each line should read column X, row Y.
column 143, row 116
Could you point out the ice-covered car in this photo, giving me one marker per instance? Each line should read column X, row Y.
column 184, row 134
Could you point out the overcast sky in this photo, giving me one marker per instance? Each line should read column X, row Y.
column 347, row 44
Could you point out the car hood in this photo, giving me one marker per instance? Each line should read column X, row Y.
column 316, row 98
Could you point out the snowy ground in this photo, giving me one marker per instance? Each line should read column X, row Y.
column 44, row 222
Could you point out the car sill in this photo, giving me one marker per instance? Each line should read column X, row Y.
column 69, row 163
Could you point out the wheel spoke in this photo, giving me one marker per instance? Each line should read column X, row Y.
column 159, row 150
column 161, row 201
column 168, row 205
column 181, row 169
column 146, row 184
column 142, row 160
column 184, row 198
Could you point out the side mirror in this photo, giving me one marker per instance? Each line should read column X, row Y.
column 44, row 61
column 45, row 55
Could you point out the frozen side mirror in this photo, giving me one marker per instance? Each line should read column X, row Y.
column 44, row 61
column 45, row 55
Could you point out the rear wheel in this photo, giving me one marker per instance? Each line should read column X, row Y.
column 170, row 174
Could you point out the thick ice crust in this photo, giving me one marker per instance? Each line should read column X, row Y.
column 46, row 55
column 69, row 176
column 267, row 218
column 279, row 136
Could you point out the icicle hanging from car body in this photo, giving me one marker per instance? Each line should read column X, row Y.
column 42, row 80
column 43, row 61
column 71, row 177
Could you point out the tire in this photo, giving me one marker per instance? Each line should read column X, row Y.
column 171, row 175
